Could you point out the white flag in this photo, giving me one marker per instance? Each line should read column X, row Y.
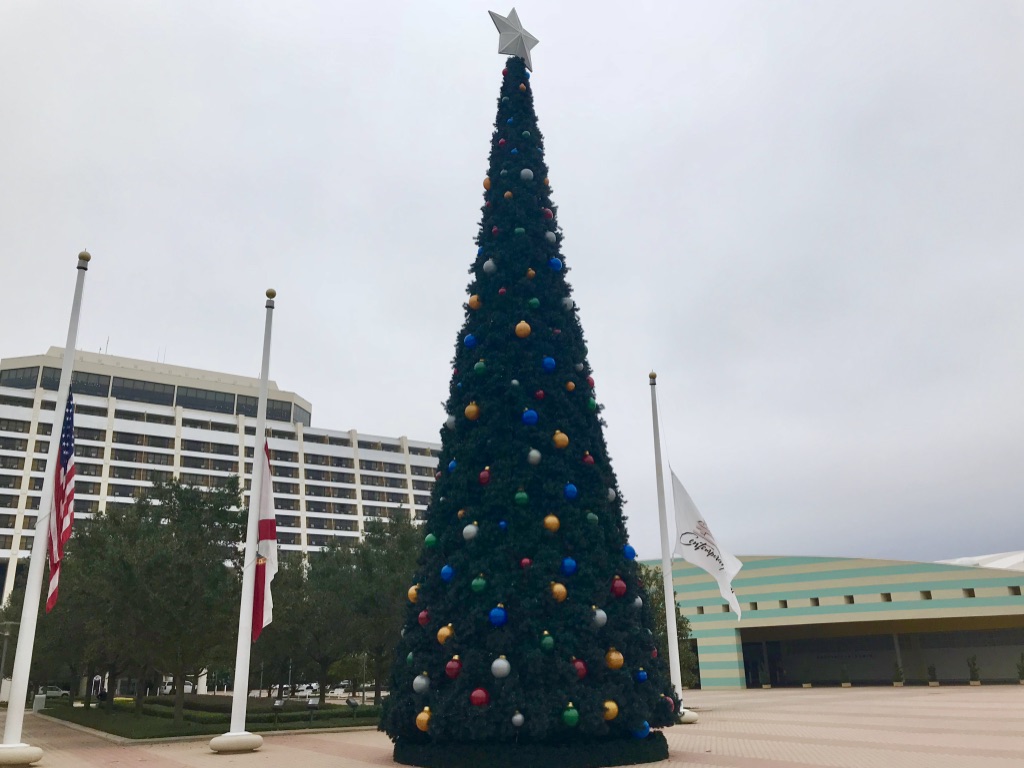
column 696, row 545
column 266, row 551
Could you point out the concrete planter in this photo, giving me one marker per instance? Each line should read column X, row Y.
column 768, row 686
column 933, row 683
column 847, row 685
column 897, row 685
column 807, row 685
column 974, row 682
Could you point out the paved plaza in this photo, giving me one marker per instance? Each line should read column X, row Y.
column 948, row 727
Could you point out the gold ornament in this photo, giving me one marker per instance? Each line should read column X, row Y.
column 474, row 302
column 423, row 719
column 523, row 329
column 487, row 182
column 508, row 195
column 462, row 513
column 414, row 593
column 558, row 591
column 613, row 659
column 472, row 411
column 552, row 523
column 560, row 439
column 522, row 86
column 546, row 182
column 570, row 386
column 530, row 273
column 445, row 632
column 611, row 710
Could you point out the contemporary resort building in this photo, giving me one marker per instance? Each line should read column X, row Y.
column 827, row 620
column 137, row 422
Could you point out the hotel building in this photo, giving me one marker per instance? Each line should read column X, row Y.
column 139, row 422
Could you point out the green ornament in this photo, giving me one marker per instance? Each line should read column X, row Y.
column 592, row 404
column 504, row 99
column 479, row 584
column 480, row 367
column 533, row 303
column 526, row 134
column 570, row 715
column 408, row 659
column 430, row 540
column 520, row 231
column 547, row 643
column 504, row 172
column 522, row 499
column 591, row 518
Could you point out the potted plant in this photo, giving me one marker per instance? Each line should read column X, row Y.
column 897, row 676
column 975, row 673
column 844, row 677
column 1020, row 669
column 933, row 676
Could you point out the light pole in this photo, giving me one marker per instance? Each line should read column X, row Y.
column 3, row 657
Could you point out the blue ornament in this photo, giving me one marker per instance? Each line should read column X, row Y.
column 568, row 566
column 498, row 616
column 527, row 73
column 571, row 492
column 514, row 152
column 470, row 340
column 447, row 573
column 502, row 525
column 628, row 552
column 641, row 676
column 643, row 731
column 509, row 121
column 452, row 465
column 480, row 251
column 530, row 417
column 555, row 264
column 548, row 364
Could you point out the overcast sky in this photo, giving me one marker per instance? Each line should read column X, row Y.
column 807, row 217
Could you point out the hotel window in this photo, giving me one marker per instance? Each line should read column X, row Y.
column 700, row 610
column 288, row 456
column 20, row 378
column 848, row 599
column 289, row 505
column 343, row 441
column 32, row 503
column 90, row 384
column 7, row 521
column 14, row 425
column 92, row 489
column 41, row 446
column 1013, row 591
column 50, row 379
column 968, row 592
column 89, row 451
column 420, row 451
column 205, row 400
column 35, row 483
column 887, row 597
column 142, row 391
column 17, row 402
column 279, row 410
column 96, row 435
column 12, row 462
column 815, row 602
column 783, row 603
column 13, row 444
column 751, row 606
column 926, row 594
column 11, row 481
column 317, row 540
column 90, row 410
column 301, row 416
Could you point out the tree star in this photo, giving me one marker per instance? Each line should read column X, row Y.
column 512, row 38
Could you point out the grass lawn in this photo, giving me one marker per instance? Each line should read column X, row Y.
column 134, row 726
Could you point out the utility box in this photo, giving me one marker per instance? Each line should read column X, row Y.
column 38, row 702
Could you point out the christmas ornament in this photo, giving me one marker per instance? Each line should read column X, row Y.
column 571, row 491
column 560, row 439
column 510, row 120
column 568, row 566
column 521, row 498
column 512, row 38
column 611, row 494
column 530, row 274
column 522, row 86
column 530, row 417
column 474, row 302
column 533, row 303
column 588, row 459
column 515, row 382
column 494, row 229
column 526, row 174
column 570, row 386
column 453, row 668
column 470, row 531
column 518, row 719
column 558, row 591
column 501, row 291
column 600, row 617
column 444, row 633
column 447, row 573
column 581, row 668
column 628, row 552
column 591, row 404
column 548, row 364
column 408, row 659
column 618, row 587
column 498, row 616
column 552, row 523
column 611, row 710
column 469, row 341
column 414, row 593
column 526, row 134
column 654, row 653
column 579, row 367
column 508, row 195
column 452, row 465
column 423, row 618
column 421, row 683
column 501, row 142
column 613, row 659
column 548, row 213
column 480, row 367
column 568, row 305
column 461, row 514
column 502, row 525
column 547, row 642
column 479, row 697
column 643, row 731
column 519, row 231
column 546, row 182
column 638, row 602
column 533, row 457
column 487, row 182
column 479, row 584
column 570, row 716
column 514, row 152
column 641, row 675
column 555, row 264
column 490, row 267
column 590, row 381
column 551, row 237
column 525, row 563
column 430, row 541
column 450, row 422
column 538, row 395
column 500, row 667
column 523, row 329
column 423, row 719
column 485, row 476
column 669, row 702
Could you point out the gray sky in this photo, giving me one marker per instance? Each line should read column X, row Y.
column 807, row 217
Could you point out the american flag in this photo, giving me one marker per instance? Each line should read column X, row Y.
column 62, row 510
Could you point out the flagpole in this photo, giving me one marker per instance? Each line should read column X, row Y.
column 237, row 739
column 666, row 555
column 13, row 751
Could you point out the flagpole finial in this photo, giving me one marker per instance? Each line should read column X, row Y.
column 271, row 293
column 84, row 256
column 653, row 377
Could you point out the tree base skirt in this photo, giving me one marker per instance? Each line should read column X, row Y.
column 583, row 754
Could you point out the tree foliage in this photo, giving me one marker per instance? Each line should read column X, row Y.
column 687, row 658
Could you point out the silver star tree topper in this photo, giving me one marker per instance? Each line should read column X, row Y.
column 512, row 38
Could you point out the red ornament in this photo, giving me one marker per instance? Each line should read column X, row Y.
column 588, row 459
column 557, row 331
column 487, row 204
column 437, row 475
column 453, row 668
column 525, row 563
column 501, row 142
column 494, row 231
column 424, row 618
column 479, row 697
column 581, row 668
column 538, row 395
column 485, row 476
column 654, row 653
column 670, row 703
column 501, row 291
column 618, row 587
column 548, row 213
column 590, row 381
column 504, row 71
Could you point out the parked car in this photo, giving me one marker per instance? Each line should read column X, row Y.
column 55, row 692
column 168, row 687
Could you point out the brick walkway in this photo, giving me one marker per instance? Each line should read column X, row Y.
column 948, row 727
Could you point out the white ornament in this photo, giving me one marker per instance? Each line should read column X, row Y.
column 515, row 382
column 421, row 684
column 500, row 667
column 518, row 719
column 490, row 267
column 579, row 367
column 550, row 237
column 568, row 304
column 638, row 603
column 526, row 174
column 512, row 38
column 470, row 531
column 600, row 618
column 533, row 457
column 611, row 494
column 450, row 422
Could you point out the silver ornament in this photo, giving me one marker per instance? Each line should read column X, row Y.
column 500, row 667
column 515, row 382
column 526, row 174
column 470, row 531
column 450, row 422
column 490, row 267
column 579, row 367
column 533, row 457
column 518, row 719
column 638, row 603
column 611, row 494
column 568, row 304
column 421, row 684
column 600, row 618
column 550, row 237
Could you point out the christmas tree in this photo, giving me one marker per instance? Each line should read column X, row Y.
column 527, row 623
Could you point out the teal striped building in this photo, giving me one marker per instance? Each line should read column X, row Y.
column 820, row 620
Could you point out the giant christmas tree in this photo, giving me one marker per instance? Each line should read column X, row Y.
column 528, row 638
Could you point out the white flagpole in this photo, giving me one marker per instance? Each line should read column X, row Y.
column 13, row 751
column 237, row 739
column 666, row 552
